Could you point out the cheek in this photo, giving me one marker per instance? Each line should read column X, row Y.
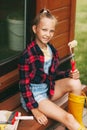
column 38, row 34
column 38, row 31
column 52, row 34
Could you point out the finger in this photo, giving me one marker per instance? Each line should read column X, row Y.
column 76, row 77
column 39, row 121
column 73, row 71
column 43, row 120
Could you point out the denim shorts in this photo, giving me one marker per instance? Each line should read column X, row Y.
column 39, row 92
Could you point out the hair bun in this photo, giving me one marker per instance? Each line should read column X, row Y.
column 44, row 11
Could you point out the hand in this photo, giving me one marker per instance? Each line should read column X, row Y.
column 74, row 74
column 39, row 116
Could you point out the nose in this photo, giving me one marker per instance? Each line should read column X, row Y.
column 48, row 33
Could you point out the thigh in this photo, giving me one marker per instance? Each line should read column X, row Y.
column 63, row 86
column 66, row 85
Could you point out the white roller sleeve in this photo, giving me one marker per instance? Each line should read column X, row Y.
column 72, row 44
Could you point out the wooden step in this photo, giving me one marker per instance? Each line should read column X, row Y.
column 13, row 103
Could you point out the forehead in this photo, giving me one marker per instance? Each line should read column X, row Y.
column 47, row 22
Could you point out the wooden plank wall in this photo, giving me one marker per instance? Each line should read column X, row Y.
column 65, row 13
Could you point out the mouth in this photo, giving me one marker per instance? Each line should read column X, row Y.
column 46, row 39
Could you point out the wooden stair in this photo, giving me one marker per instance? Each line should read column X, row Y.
column 13, row 103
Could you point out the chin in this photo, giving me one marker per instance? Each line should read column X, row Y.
column 45, row 42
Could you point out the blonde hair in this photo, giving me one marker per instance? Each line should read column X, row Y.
column 43, row 13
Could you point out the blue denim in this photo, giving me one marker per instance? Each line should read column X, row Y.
column 39, row 92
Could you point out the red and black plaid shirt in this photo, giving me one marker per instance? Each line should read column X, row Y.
column 31, row 68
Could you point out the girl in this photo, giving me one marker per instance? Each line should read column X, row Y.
column 38, row 69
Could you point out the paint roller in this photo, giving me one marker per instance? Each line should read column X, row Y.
column 15, row 116
column 71, row 45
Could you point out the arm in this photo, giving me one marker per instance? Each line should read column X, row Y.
column 26, row 75
column 56, row 64
column 63, row 74
column 60, row 73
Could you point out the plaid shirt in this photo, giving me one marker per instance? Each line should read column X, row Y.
column 31, row 69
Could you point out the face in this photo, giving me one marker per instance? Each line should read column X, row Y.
column 44, row 31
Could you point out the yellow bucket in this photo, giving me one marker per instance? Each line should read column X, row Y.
column 2, row 126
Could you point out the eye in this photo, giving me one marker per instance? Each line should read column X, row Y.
column 52, row 31
column 44, row 29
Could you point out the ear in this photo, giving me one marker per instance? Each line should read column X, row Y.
column 34, row 28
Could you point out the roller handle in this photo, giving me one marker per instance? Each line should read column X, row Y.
column 24, row 118
column 13, row 120
column 73, row 65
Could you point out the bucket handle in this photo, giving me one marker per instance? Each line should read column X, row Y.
column 16, row 34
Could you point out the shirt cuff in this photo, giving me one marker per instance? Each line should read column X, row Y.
column 32, row 105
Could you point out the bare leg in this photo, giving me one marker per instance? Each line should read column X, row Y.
column 53, row 111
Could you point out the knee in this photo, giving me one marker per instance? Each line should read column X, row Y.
column 69, row 117
column 75, row 85
column 69, row 120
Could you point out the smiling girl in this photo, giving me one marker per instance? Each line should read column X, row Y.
column 39, row 67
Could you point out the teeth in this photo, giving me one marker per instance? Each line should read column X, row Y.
column 72, row 44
